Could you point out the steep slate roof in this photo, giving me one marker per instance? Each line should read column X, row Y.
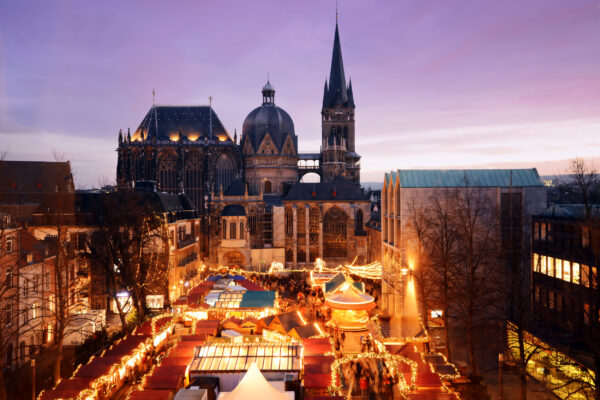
column 237, row 188
column 258, row 299
column 344, row 190
column 337, row 93
column 464, row 177
column 233, row 210
column 192, row 121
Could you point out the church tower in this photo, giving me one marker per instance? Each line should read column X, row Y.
column 338, row 154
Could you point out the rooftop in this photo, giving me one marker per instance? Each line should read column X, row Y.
column 437, row 178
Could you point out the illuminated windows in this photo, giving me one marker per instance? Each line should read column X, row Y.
column 579, row 274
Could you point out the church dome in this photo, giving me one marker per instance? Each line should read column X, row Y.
column 268, row 118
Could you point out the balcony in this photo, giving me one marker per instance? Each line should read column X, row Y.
column 186, row 242
column 187, row 260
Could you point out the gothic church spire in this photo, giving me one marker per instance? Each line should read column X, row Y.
column 337, row 93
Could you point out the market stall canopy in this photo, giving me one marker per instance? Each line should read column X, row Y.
column 151, row 395
column 316, row 346
column 254, row 386
column 207, row 327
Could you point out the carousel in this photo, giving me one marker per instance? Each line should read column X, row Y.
column 348, row 303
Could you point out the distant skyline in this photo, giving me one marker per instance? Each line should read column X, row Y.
column 437, row 84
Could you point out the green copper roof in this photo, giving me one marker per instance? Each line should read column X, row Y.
column 258, row 299
column 335, row 282
column 432, row 178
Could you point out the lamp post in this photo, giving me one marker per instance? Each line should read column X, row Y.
column 33, row 379
column 500, row 361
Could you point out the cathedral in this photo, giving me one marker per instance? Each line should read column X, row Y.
column 253, row 205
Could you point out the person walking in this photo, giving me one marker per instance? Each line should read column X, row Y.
column 364, row 384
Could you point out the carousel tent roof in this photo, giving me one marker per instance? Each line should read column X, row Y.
column 350, row 299
column 254, row 386
column 338, row 281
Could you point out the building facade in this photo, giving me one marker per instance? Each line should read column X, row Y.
column 566, row 298
column 405, row 190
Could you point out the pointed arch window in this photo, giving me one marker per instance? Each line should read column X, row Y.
column 167, row 173
column 289, row 222
column 314, row 225
column 193, row 179
column 358, row 220
column 224, row 172
column 301, row 256
column 301, row 221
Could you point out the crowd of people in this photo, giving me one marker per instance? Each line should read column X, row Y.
column 368, row 379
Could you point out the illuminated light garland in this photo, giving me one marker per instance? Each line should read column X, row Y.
column 447, row 377
column 130, row 360
column 369, row 271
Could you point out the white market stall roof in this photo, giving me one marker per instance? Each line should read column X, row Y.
column 235, row 357
column 254, row 386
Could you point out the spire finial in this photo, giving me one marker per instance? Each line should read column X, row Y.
column 336, row 12
column 210, row 132
column 153, row 96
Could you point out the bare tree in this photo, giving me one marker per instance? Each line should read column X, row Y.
column 132, row 245
column 475, row 220
column 441, row 239
column 419, row 225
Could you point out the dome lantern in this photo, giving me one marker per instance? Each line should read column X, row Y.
column 268, row 92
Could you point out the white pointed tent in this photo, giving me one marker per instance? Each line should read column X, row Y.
column 254, row 386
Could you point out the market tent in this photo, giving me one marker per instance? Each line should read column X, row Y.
column 250, row 285
column 59, row 394
column 182, row 352
column 126, row 346
column 93, row 370
column 324, row 398
column 151, row 395
column 312, row 381
column 432, row 396
column 188, row 338
column 68, row 388
column 144, row 329
column 207, row 327
column 254, row 386
column 169, row 370
column 316, row 346
column 172, row 382
column 176, row 360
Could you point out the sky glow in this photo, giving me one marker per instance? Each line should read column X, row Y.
column 437, row 84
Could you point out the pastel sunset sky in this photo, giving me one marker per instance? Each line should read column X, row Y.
column 437, row 84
